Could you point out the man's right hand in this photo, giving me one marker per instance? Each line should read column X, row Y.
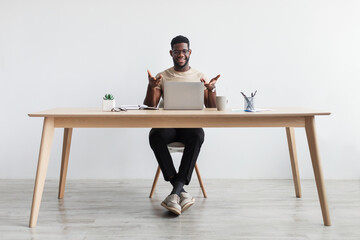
column 154, row 82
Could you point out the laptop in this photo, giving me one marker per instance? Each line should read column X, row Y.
column 183, row 95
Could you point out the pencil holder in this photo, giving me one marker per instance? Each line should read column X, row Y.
column 249, row 103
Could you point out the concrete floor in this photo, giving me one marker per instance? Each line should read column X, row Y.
column 234, row 209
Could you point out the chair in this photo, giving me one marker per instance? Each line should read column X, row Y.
column 173, row 148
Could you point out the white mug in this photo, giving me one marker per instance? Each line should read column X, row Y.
column 221, row 102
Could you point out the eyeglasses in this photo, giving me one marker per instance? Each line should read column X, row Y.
column 118, row 109
column 177, row 52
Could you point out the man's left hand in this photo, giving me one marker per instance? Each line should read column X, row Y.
column 210, row 85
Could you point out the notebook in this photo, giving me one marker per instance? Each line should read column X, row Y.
column 183, row 95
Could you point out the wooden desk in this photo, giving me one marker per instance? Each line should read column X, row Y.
column 69, row 118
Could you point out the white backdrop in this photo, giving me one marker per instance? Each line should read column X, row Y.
column 70, row 53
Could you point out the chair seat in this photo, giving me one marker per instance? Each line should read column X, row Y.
column 176, row 144
column 176, row 147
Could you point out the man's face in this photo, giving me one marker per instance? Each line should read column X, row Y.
column 181, row 55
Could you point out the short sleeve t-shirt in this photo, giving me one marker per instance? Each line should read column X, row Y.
column 192, row 75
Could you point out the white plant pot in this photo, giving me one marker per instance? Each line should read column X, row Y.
column 107, row 105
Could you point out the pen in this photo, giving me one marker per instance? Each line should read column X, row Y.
column 253, row 94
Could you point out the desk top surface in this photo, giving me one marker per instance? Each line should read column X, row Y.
column 209, row 112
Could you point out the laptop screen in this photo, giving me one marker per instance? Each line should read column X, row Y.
column 184, row 95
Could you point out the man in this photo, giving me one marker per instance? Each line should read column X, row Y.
column 178, row 200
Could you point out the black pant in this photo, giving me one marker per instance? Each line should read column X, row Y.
column 192, row 138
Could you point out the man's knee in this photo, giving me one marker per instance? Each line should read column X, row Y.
column 198, row 135
column 159, row 136
column 154, row 137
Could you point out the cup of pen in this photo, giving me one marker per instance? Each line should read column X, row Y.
column 249, row 104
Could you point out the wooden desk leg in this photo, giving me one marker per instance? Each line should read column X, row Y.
column 290, row 133
column 315, row 159
column 44, row 155
column 64, row 161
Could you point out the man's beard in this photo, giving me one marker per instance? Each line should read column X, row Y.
column 181, row 66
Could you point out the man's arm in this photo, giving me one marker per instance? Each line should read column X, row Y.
column 209, row 94
column 153, row 93
column 210, row 98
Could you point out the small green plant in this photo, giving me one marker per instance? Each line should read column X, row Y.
column 108, row 97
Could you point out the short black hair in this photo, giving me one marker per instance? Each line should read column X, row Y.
column 179, row 39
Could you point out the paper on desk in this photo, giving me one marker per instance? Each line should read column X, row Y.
column 136, row 107
column 255, row 110
column 130, row 107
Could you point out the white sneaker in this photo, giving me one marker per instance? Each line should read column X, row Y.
column 172, row 203
column 186, row 201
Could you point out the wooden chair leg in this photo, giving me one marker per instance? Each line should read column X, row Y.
column 157, row 178
column 155, row 182
column 200, row 180
column 64, row 161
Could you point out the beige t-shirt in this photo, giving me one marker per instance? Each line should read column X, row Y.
column 192, row 75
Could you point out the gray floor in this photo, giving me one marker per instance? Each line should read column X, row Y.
column 234, row 209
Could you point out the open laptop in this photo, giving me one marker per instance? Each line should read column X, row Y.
column 184, row 95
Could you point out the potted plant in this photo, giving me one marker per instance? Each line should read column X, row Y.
column 108, row 102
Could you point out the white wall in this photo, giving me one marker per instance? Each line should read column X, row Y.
column 70, row 53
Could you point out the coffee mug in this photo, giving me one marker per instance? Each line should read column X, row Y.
column 221, row 102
